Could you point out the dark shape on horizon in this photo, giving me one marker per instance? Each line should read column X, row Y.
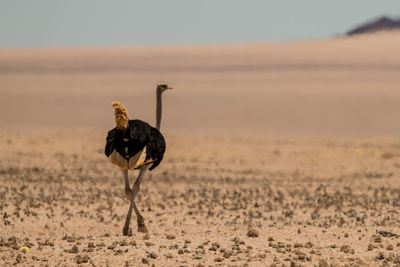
column 380, row 24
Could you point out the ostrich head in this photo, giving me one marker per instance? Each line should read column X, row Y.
column 162, row 87
column 121, row 115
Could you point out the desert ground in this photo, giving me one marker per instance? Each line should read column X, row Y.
column 277, row 155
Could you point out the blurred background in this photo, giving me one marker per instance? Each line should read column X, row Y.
column 274, row 68
column 282, row 127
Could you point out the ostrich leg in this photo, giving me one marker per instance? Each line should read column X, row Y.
column 135, row 189
column 128, row 191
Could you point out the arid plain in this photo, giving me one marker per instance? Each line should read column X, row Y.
column 277, row 154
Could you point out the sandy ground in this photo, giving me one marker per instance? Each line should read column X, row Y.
column 308, row 201
column 277, row 154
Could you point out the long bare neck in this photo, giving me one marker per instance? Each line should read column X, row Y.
column 159, row 109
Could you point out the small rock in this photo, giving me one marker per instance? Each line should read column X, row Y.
column 119, row 251
column 123, row 243
column 370, row 247
column 377, row 239
column 281, row 245
column 218, row 259
column 74, row 249
column 380, row 256
column 153, row 255
column 227, row 254
column 169, row 256
column 252, row 233
column 170, row 237
column 309, row 245
column 345, row 249
column 82, row 258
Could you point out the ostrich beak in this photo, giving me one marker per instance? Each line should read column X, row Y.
column 170, row 87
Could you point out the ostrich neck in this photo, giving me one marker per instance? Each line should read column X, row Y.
column 159, row 110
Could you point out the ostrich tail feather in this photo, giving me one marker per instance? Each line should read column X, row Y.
column 121, row 115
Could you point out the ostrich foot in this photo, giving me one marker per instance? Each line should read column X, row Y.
column 125, row 231
column 142, row 228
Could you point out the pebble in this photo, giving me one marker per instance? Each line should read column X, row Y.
column 82, row 258
column 252, row 233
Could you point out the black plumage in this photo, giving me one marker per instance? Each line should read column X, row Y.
column 135, row 138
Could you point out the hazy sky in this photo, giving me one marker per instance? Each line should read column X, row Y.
column 27, row 23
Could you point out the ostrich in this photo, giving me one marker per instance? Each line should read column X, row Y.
column 134, row 144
